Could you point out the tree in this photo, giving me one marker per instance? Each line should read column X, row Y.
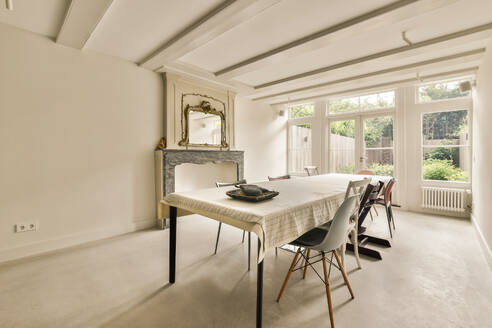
column 301, row 111
column 440, row 91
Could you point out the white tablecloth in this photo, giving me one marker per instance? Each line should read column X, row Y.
column 302, row 205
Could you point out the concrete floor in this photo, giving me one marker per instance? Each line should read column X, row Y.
column 435, row 275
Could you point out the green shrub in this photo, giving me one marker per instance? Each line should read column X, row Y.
column 439, row 153
column 381, row 169
column 349, row 168
column 437, row 169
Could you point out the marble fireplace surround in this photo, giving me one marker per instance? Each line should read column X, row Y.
column 166, row 161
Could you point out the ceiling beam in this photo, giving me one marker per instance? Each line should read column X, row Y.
column 382, row 54
column 458, row 72
column 472, row 53
column 80, row 21
column 219, row 20
column 394, row 12
column 192, row 71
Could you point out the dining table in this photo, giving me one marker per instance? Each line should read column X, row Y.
column 301, row 205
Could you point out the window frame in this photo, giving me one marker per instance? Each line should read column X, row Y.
column 361, row 111
column 298, row 121
column 310, row 103
column 459, row 80
column 455, row 104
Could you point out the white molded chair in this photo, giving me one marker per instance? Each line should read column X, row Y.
column 325, row 241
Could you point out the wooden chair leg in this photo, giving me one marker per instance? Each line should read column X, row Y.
column 355, row 242
column 288, row 274
column 343, row 249
column 218, row 235
column 343, row 274
column 328, row 294
column 375, row 210
column 305, row 264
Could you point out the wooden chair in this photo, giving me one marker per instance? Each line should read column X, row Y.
column 354, row 188
column 311, row 170
column 282, row 177
column 228, row 184
column 325, row 241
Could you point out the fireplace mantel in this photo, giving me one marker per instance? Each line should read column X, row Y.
column 166, row 161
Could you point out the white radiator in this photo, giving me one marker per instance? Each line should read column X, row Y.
column 444, row 199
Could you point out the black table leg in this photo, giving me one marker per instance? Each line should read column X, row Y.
column 249, row 250
column 173, row 213
column 259, row 290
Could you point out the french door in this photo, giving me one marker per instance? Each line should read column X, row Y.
column 361, row 142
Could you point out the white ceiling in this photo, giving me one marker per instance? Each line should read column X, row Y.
column 134, row 29
column 44, row 17
column 287, row 21
column 227, row 32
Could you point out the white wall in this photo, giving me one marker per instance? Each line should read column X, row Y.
column 262, row 134
column 482, row 149
column 77, row 132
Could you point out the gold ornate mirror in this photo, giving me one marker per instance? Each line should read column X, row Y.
column 203, row 126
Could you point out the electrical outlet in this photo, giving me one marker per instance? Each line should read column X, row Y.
column 26, row 226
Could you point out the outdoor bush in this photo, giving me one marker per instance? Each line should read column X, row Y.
column 439, row 153
column 381, row 169
column 349, row 168
column 437, row 169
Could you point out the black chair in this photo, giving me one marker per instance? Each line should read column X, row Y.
column 228, row 184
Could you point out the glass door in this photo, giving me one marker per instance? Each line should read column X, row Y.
column 378, row 145
column 299, row 147
column 361, row 142
column 343, row 146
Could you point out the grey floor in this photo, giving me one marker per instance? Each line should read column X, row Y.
column 435, row 275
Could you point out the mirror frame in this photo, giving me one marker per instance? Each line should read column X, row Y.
column 205, row 108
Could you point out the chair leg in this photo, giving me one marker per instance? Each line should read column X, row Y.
column 343, row 274
column 328, row 294
column 306, row 264
column 370, row 213
column 288, row 274
column 249, row 251
column 244, row 232
column 355, row 242
column 343, row 249
column 375, row 210
column 218, row 235
column 388, row 216
column 392, row 216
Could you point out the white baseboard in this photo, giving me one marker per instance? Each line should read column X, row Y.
column 483, row 242
column 39, row 247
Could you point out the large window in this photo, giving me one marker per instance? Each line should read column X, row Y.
column 300, row 147
column 378, row 145
column 440, row 91
column 362, row 103
column 299, row 111
column 342, row 147
column 300, row 137
column 445, row 146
